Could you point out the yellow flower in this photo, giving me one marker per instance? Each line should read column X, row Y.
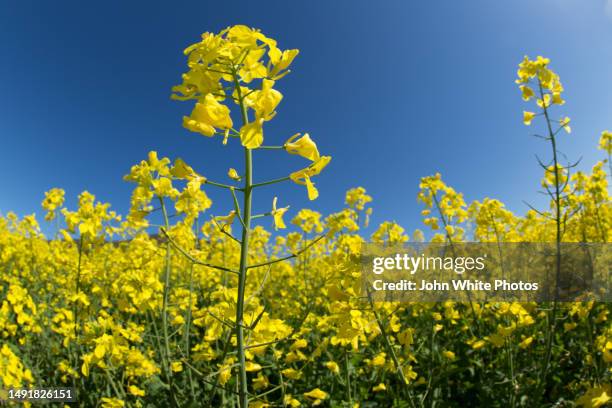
column 181, row 170
column 225, row 372
column 526, row 342
column 261, row 381
column 304, row 147
column 134, row 390
column 292, row 374
column 176, row 366
column 565, row 123
column 112, row 403
column 478, row 344
column 569, row 326
column 527, row 92
column 251, row 134
column 265, row 101
column 333, row 367
column 303, row 176
column 281, row 61
column 495, row 339
column 277, row 214
column 226, row 220
column 545, row 102
column 233, row 174
column 528, row 117
column 605, row 142
column 448, row 354
column 378, row 360
column 596, row 397
column 557, row 100
column 54, row 199
column 252, row 367
column 380, row 387
column 291, row 402
column 317, row 394
column 409, row 373
column 208, row 115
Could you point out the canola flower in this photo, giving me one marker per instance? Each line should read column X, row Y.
column 168, row 307
column 234, row 60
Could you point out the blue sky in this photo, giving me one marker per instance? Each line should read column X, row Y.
column 393, row 90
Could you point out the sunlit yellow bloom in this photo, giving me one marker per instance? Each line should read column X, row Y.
column 208, row 115
column 528, row 117
column 226, row 220
column 251, row 134
column 478, row 344
column 182, row 170
column 551, row 177
column 112, row 402
column 277, row 214
column 333, row 367
column 316, row 394
column 304, row 146
column 380, row 387
column 291, row 402
column 134, row 390
column 605, row 142
column 569, row 326
column 281, row 60
column 292, row 374
column 303, row 176
column 266, row 100
column 527, row 92
column 545, row 102
column 596, row 397
column 526, row 342
column 54, row 199
column 252, row 367
column 233, row 174
column 378, row 360
column 557, row 99
column 565, row 123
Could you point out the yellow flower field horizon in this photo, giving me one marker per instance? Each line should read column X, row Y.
column 170, row 306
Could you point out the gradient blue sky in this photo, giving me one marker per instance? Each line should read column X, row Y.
column 393, row 90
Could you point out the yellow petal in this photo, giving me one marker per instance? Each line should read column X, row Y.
column 251, row 135
column 304, row 147
column 313, row 193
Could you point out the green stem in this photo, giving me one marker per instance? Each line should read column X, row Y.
column 244, row 252
column 166, row 293
column 77, row 323
column 188, row 328
column 265, row 183
column 452, row 245
column 552, row 324
column 78, row 289
column 271, row 147
column 214, row 183
column 348, row 378
column 389, row 348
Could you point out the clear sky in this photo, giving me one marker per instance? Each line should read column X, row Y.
column 393, row 90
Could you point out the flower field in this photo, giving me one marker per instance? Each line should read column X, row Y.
column 170, row 306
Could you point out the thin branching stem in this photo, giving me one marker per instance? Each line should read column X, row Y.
column 285, row 258
column 191, row 258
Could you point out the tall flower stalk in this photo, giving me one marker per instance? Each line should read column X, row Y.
column 244, row 251
column 548, row 86
column 223, row 66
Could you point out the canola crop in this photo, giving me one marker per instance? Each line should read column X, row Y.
column 168, row 306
